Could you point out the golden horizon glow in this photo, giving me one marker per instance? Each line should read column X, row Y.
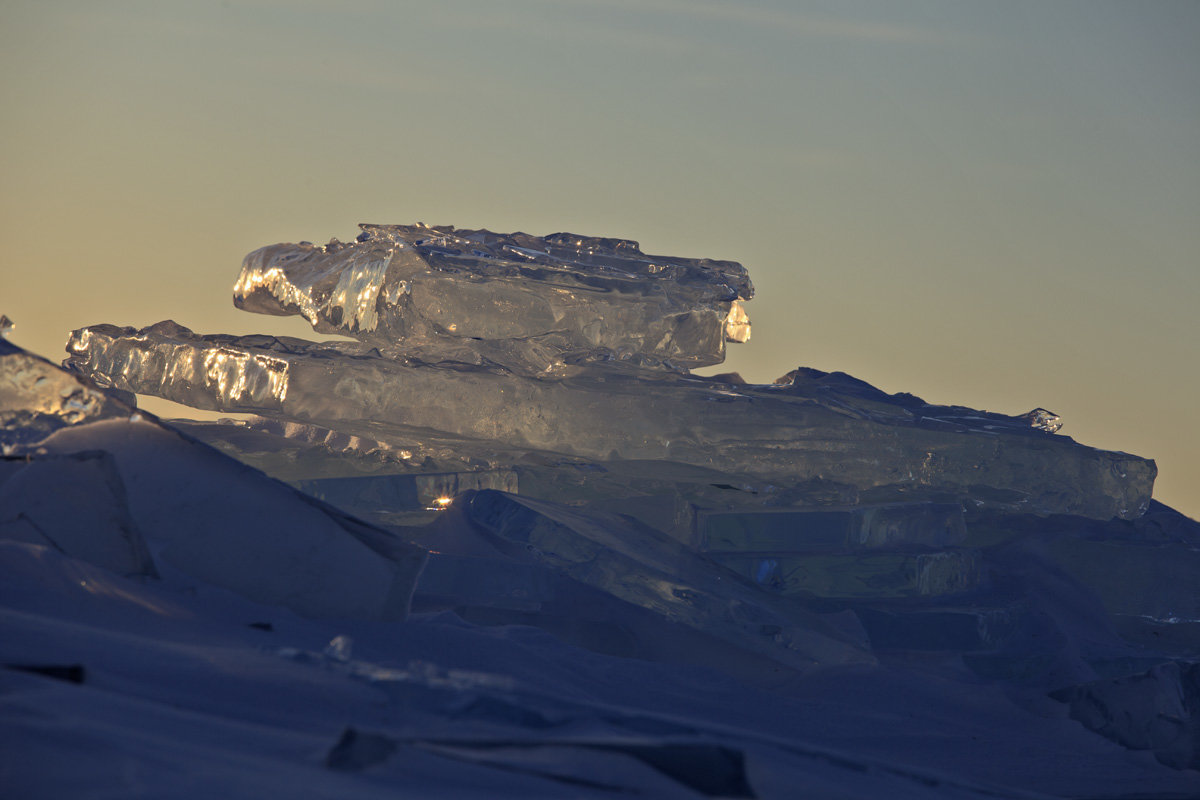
column 983, row 204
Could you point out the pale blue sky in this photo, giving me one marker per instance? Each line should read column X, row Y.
column 991, row 203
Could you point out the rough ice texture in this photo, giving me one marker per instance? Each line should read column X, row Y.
column 526, row 303
column 812, row 425
column 36, row 397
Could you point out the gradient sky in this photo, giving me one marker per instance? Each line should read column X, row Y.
column 994, row 204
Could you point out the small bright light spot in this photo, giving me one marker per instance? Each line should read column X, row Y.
column 444, row 501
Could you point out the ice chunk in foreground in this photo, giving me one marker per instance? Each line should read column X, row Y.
column 75, row 503
column 227, row 524
column 526, row 303
column 814, row 426
column 201, row 512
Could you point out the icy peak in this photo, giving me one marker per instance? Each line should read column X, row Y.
column 1044, row 420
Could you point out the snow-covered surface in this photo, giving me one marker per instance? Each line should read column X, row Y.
column 181, row 697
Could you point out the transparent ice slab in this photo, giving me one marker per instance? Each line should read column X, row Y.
column 530, row 304
column 816, row 426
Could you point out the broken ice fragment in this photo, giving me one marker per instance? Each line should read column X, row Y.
column 339, row 648
column 37, row 397
column 1044, row 420
column 529, row 304
column 737, row 324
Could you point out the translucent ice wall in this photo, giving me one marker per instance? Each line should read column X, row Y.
column 813, row 426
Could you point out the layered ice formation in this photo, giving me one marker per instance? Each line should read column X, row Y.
column 506, row 544
column 494, row 345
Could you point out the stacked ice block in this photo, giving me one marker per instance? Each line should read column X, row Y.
column 492, row 347
column 523, row 408
column 512, row 433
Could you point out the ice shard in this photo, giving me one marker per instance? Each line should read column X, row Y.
column 813, row 425
column 37, row 397
column 529, row 304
